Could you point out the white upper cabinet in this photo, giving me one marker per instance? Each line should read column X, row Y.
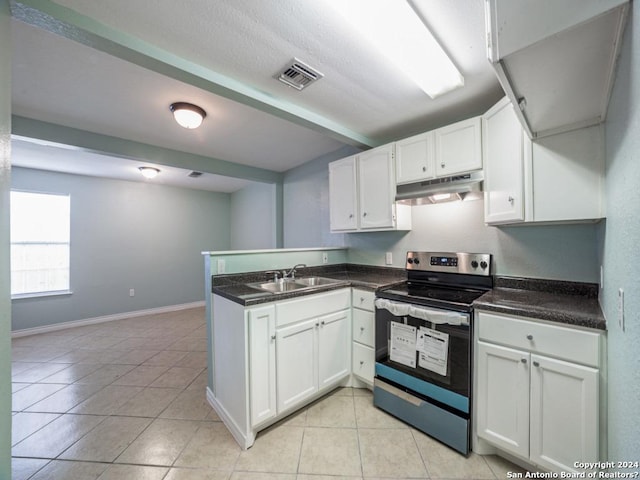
column 377, row 189
column 458, row 147
column 567, row 176
column 362, row 192
column 343, row 197
column 503, row 151
column 415, row 158
column 559, row 178
column 556, row 60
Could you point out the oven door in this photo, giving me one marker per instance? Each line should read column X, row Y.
column 423, row 359
column 425, row 350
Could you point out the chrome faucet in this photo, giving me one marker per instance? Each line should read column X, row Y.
column 275, row 274
column 292, row 273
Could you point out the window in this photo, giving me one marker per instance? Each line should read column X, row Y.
column 40, row 232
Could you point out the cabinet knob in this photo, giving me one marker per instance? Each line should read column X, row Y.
column 511, row 199
column 536, row 364
column 351, row 215
column 317, row 325
column 523, row 360
column 361, row 299
column 442, row 165
column 424, row 169
column 362, row 329
column 273, row 337
column 322, row 322
column 364, row 214
column 529, row 337
column 361, row 362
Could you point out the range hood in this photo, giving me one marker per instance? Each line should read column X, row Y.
column 438, row 190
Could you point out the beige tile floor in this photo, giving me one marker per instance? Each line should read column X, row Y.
column 126, row 400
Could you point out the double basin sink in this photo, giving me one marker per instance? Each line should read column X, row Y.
column 292, row 284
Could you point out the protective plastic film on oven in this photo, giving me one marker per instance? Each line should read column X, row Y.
column 428, row 343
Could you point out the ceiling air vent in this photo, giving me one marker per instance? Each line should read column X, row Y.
column 194, row 174
column 298, row 74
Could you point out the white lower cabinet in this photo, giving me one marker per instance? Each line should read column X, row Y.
column 334, row 348
column 297, row 348
column 537, row 390
column 310, row 356
column 296, row 363
column 363, row 335
column 262, row 363
column 564, row 413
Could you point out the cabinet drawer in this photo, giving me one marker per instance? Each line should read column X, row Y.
column 363, row 326
column 363, row 299
column 311, row 306
column 363, row 362
column 561, row 342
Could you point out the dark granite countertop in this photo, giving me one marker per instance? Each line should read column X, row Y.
column 563, row 302
column 234, row 287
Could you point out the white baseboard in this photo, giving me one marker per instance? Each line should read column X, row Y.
column 244, row 439
column 106, row 318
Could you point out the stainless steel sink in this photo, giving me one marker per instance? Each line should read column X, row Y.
column 316, row 281
column 290, row 284
column 278, row 286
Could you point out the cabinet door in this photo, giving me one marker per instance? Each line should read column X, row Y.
column 458, row 147
column 414, row 158
column 296, row 363
column 376, row 181
column 503, row 397
column 363, row 326
column 334, row 347
column 363, row 362
column 343, row 201
column 564, row 413
column 502, row 143
column 262, row 363
column 568, row 176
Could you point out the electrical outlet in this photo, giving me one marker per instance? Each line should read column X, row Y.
column 388, row 258
column 221, row 265
column 132, row 292
column 325, row 257
column 621, row 309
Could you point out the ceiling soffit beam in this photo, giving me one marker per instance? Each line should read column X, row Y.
column 63, row 21
column 118, row 147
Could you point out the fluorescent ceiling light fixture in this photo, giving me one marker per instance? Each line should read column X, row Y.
column 395, row 29
column 187, row 115
column 149, row 172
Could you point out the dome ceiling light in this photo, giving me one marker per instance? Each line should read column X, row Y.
column 187, row 115
column 149, row 172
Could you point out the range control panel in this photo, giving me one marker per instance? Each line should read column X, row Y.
column 469, row 263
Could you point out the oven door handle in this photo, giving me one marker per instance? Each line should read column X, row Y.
column 438, row 317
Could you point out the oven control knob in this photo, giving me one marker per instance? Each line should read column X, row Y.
column 483, row 264
column 416, row 261
column 409, row 260
column 474, row 264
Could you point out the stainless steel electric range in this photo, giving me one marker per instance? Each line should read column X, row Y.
column 423, row 343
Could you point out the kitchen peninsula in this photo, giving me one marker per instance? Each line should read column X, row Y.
column 273, row 353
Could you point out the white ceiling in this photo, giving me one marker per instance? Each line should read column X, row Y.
column 61, row 81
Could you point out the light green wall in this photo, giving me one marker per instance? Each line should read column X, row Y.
column 621, row 244
column 306, row 204
column 254, row 261
column 5, row 302
column 253, row 217
column 127, row 235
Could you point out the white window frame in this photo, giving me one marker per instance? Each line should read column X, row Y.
column 63, row 239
